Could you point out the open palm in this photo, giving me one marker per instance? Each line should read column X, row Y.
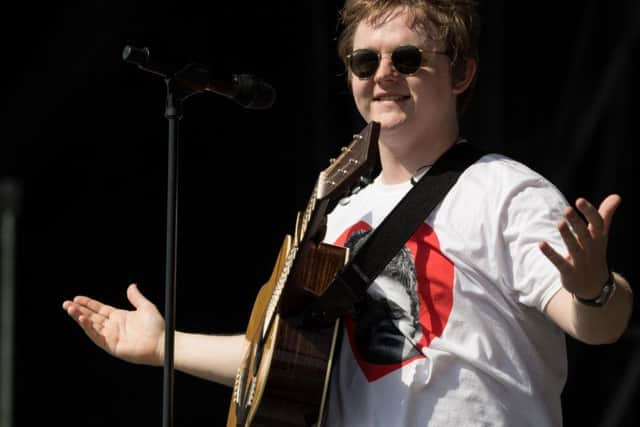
column 133, row 335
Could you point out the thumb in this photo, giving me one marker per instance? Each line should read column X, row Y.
column 135, row 296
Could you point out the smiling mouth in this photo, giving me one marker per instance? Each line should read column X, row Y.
column 392, row 98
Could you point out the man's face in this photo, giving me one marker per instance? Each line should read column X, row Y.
column 413, row 105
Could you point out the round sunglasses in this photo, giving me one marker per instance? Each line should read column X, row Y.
column 405, row 59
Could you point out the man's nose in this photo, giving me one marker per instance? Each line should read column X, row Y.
column 385, row 69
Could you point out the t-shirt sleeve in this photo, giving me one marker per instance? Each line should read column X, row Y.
column 533, row 210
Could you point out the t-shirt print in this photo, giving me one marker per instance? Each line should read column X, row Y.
column 407, row 306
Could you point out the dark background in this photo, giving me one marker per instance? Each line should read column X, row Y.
column 86, row 139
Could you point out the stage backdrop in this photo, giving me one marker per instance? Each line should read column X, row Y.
column 86, row 138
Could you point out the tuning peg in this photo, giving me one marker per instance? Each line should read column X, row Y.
column 332, row 161
column 358, row 136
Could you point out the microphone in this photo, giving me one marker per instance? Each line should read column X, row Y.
column 245, row 89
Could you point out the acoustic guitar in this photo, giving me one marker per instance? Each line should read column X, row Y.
column 284, row 375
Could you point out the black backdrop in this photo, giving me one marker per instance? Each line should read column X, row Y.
column 85, row 136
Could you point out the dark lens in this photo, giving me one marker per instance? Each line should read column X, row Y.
column 406, row 59
column 363, row 63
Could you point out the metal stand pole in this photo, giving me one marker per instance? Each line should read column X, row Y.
column 173, row 115
column 9, row 196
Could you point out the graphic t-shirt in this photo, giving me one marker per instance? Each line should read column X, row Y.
column 453, row 331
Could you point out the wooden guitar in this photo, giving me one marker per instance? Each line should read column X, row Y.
column 284, row 375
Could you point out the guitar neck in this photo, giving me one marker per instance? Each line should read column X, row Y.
column 356, row 162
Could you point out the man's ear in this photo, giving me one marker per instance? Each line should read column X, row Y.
column 470, row 68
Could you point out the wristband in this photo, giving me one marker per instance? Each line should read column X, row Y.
column 605, row 294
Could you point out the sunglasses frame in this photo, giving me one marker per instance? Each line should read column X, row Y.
column 423, row 62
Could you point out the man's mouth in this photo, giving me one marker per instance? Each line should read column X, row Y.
column 392, row 98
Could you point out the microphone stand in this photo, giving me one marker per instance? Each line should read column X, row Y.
column 182, row 83
column 176, row 93
column 173, row 113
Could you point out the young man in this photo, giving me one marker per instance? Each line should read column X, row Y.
column 496, row 274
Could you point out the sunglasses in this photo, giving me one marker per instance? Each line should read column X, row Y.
column 405, row 59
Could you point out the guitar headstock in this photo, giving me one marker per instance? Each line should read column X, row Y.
column 355, row 161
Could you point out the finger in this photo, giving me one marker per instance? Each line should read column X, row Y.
column 93, row 305
column 569, row 239
column 76, row 310
column 91, row 328
column 556, row 259
column 592, row 215
column 72, row 309
column 135, row 296
column 87, row 323
column 578, row 225
column 93, row 331
column 607, row 208
column 92, row 323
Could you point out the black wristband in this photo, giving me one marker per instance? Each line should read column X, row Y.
column 603, row 297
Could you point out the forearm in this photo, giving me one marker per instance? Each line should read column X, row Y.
column 212, row 357
column 594, row 325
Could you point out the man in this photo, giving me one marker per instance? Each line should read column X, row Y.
column 503, row 267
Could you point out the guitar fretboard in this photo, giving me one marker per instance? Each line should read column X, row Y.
column 291, row 256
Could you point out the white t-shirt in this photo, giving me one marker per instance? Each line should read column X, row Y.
column 454, row 332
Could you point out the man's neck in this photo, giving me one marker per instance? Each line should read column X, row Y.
column 403, row 158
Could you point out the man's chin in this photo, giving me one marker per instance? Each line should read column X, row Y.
column 391, row 125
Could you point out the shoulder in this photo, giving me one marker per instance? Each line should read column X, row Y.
column 500, row 187
column 498, row 166
column 505, row 177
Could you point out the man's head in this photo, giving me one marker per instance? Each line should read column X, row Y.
column 453, row 24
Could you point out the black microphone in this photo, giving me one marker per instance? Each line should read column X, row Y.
column 245, row 89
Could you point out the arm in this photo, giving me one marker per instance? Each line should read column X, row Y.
column 593, row 325
column 584, row 271
column 137, row 336
column 212, row 357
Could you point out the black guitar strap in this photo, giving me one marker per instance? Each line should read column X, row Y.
column 350, row 284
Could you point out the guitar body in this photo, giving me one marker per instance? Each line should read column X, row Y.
column 284, row 375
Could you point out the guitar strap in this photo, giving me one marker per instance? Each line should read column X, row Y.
column 350, row 285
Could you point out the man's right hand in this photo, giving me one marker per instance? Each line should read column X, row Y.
column 133, row 335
